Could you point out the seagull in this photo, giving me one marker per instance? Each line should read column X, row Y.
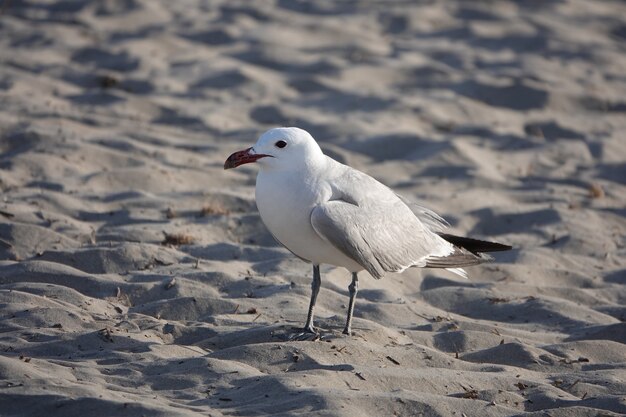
column 325, row 212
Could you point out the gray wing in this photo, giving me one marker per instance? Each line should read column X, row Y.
column 435, row 222
column 384, row 237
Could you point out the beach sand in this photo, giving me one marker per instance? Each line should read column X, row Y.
column 137, row 279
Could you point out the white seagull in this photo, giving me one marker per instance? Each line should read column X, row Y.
column 326, row 212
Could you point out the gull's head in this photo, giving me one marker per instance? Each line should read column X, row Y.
column 283, row 148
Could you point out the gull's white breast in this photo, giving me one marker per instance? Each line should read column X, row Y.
column 285, row 202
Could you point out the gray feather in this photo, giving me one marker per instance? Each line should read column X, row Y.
column 381, row 238
column 435, row 222
column 458, row 259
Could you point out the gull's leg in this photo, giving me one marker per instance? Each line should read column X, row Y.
column 354, row 288
column 315, row 289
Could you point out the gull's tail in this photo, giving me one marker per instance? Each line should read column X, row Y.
column 467, row 252
column 475, row 246
column 459, row 271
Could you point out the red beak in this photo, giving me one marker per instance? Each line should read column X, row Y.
column 242, row 157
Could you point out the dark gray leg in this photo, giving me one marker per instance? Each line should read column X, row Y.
column 354, row 288
column 315, row 289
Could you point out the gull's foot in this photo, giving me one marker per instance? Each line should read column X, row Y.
column 347, row 331
column 305, row 334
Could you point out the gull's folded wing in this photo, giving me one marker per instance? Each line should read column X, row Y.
column 380, row 238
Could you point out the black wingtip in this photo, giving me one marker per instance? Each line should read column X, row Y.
column 475, row 246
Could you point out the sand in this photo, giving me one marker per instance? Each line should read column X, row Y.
column 136, row 277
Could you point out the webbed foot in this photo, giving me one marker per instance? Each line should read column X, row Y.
column 305, row 334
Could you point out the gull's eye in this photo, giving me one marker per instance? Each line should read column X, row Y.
column 281, row 144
